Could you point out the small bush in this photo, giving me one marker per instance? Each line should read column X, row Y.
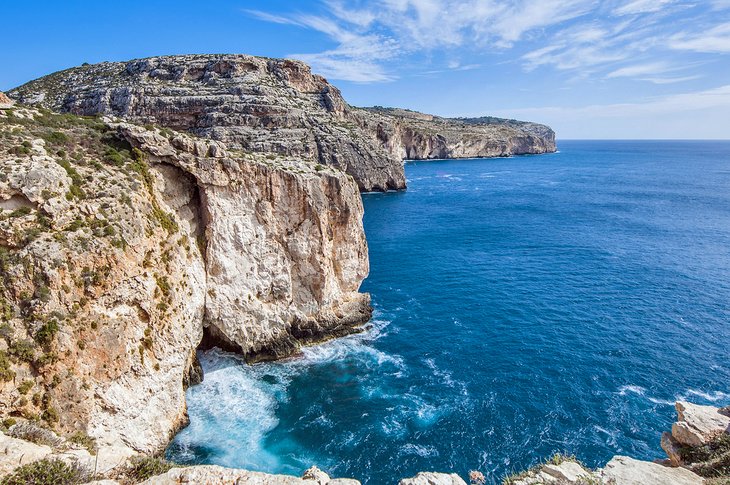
column 47, row 332
column 143, row 468
column 35, row 434
column 23, row 350
column 20, row 212
column 6, row 331
column 47, row 472
column 6, row 373
column 711, row 459
column 56, row 138
column 25, row 387
column 82, row 439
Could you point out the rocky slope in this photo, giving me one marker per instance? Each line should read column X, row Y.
column 121, row 246
column 277, row 106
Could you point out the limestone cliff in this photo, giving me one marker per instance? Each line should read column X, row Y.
column 417, row 136
column 278, row 106
column 250, row 103
column 120, row 246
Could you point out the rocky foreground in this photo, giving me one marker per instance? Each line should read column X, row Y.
column 698, row 448
column 277, row 106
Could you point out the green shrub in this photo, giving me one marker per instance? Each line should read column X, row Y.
column 82, row 439
column 6, row 373
column 114, row 157
column 47, row 332
column 47, row 472
column 50, row 415
column 25, row 386
column 23, row 350
column 20, row 212
column 6, row 330
column 143, row 468
column 56, row 138
column 709, row 460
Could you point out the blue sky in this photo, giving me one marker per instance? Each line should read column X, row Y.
column 590, row 69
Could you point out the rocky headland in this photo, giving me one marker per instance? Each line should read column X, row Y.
column 121, row 247
column 277, row 106
column 151, row 207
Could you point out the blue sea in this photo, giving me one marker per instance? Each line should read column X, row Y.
column 523, row 306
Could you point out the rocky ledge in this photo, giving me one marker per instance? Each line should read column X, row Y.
column 277, row 106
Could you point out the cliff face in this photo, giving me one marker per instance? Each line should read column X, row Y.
column 417, row 136
column 121, row 246
column 278, row 106
column 250, row 103
column 285, row 248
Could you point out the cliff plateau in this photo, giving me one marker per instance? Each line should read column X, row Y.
column 277, row 106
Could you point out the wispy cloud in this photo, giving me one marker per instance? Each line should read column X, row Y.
column 713, row 40
column 367, row 35
column 653, row 72
column 372, row 38
column 640, row 70
column 634, row 7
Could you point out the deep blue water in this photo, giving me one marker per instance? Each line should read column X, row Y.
column 524, row 306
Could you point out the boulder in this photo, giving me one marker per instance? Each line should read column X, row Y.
column 432, row 478
column 316, row 475
column 696, row 425
column 567, row 471
column 672, row 448
column 5, row 102
column 622, row 470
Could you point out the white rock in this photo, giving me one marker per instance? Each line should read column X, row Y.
column 433, row 478
column 15, row 452
column 568, row 471
column 317, row 475
column 106, row 459
column 696, row 425
column 214, row 475
column 627, row 471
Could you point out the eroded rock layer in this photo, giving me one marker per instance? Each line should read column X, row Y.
column 278, row 106
column 251, row 103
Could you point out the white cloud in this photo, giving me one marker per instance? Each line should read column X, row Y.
column 640, row 70
column 676, row 103
column 367, row 34
column 583, row 36
column 699, row 115
column 634, row 7
column 670, row 80
column 714, row 40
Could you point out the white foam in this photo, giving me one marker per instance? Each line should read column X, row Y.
column 624, row 390
column 712, row 396
column 640, row 391
column 243, row 399
column 419, row 450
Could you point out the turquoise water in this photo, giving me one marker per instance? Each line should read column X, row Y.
column 523, row 306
